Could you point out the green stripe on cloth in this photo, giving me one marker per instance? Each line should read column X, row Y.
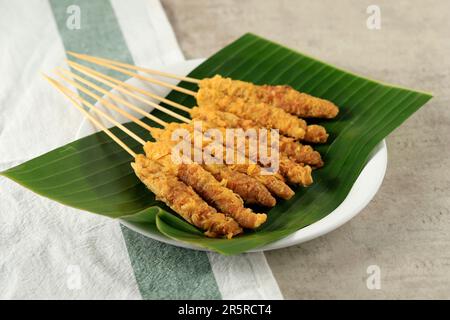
column 170, row 272
column 162, row 271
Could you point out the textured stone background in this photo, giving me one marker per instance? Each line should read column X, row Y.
column 405, row 229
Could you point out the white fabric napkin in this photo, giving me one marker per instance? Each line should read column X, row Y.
column 47, row 250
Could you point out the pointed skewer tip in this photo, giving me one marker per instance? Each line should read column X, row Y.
column 46, row 77
column 74, row 54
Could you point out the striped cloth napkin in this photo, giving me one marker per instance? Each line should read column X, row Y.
column 49, row 251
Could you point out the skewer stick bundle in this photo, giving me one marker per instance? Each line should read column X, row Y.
column 284, row 97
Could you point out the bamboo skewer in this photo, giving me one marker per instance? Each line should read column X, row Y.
column 139, row 76
column 62, row 89
column 119, row 85
column 90, row 72
column 115, row 97
column 103, row 114
column 60, row 71
column 104, row 102
column 133, row 67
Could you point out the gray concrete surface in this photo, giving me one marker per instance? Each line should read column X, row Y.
column 405, row 229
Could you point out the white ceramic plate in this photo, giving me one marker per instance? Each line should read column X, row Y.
column 364, row 189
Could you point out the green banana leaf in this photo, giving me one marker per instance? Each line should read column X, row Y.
column 94, row 173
